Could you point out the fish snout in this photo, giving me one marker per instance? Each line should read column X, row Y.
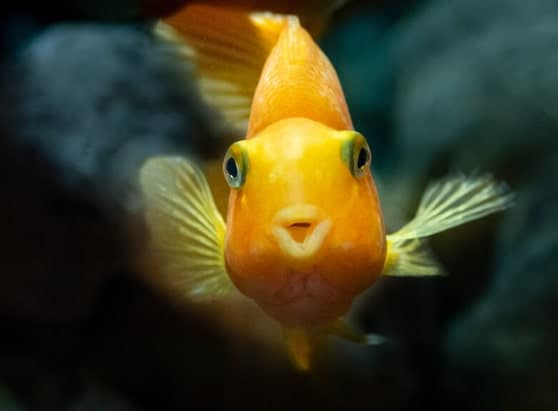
column 300, row 230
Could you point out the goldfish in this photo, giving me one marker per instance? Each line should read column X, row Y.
column 304, row 234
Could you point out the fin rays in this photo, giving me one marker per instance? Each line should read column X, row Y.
column 227, row 49
column 455, row 201
column 444, row 205
column 187, row 231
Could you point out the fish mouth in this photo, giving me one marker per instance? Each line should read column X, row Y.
column 300, row 230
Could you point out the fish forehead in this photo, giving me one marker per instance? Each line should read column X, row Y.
column 298, row 161
column 296, row 142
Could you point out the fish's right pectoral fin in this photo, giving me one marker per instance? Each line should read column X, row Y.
column 186, row 248
column 445, row 204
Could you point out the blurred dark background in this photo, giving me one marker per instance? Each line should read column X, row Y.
column 437, row 86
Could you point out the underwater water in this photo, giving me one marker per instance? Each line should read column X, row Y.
column 436, row 86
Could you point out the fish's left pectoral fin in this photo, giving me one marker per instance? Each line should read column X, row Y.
column 445, row 204
column 409, row 258
column 186, row 245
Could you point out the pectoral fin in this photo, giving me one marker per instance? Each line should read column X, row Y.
column 186, row 248
column 445, row 204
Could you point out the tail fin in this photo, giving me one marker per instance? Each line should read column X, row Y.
column 445, row 204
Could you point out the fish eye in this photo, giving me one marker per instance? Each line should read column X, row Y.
column 235, row 166
column 356, row 154
column 231, row 168
column 362, row 159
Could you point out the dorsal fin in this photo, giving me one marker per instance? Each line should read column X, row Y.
column 313, row 14
column 227, row 48
column 298, row 80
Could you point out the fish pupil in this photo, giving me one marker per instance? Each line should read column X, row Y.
column 232, row 168
column 362, row 158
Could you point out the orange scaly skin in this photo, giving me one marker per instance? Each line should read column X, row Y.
column 299, row 122
column 293, row 162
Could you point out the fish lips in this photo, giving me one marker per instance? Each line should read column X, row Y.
column 300, row 231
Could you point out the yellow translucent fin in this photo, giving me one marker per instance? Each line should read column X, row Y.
column 303, row 344
column 445, row 204
column 227, row 49
column 300, row 347
column 409, row 258
column 313, row 14
column 186, row 252
column 341, row 329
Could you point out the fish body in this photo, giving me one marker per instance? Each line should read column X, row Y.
column 304, row 233
column 303, row 238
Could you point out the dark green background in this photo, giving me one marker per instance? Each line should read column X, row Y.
column 436, row 86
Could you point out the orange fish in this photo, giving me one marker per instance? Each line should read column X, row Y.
column 304, row 232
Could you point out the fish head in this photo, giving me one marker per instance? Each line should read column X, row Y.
column 305, row 232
